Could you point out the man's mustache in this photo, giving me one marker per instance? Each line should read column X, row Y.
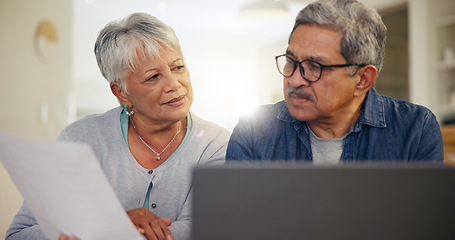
column 296, row 92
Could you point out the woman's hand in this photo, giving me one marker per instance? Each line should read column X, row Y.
column 65, row 237
column 141, row 216
column 150, row 225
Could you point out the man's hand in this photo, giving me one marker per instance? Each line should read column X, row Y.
column 150, row 225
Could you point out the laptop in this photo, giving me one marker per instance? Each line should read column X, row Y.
column 294, row 201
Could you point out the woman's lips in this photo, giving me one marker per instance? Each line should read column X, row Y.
column 176, row 101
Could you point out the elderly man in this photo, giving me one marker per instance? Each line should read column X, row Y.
column 331, row 113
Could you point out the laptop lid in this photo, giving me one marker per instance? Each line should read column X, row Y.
column 290, row 201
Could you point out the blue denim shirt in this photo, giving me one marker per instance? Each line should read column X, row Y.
column 388, row 129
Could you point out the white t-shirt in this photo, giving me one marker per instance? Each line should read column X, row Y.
column 326, row 150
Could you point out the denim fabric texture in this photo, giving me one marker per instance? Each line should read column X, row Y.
column 388, row 129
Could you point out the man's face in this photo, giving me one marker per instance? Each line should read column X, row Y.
column 330, row 98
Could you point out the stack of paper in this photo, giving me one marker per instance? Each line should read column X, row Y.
column 66, row 189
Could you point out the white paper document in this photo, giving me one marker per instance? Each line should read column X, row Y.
column 66, row 189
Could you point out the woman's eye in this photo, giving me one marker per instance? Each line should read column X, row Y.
column 178, row 68
column 154, row 77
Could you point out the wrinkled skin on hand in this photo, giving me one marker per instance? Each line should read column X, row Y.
column 146, row 222
column 150, row 225
column 65, row 237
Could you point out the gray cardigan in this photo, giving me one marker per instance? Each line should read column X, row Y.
column 204, row 143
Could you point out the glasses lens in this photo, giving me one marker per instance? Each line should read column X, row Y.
column 311, row 70
column 285, row 66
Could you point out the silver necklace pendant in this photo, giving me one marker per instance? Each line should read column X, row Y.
column 156, row 153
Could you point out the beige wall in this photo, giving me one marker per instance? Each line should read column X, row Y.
column 34, row 91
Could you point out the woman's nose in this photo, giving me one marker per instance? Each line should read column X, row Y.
column 172, row 82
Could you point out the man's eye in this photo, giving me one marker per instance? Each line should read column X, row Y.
column 313, row 66
column 289, row 61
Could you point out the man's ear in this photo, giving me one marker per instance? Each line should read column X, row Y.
column 121, row 95
column 367, row 78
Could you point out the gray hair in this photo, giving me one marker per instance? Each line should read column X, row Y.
column 364, row 32
column 121, row 44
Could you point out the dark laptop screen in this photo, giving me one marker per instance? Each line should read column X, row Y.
column 282, row 201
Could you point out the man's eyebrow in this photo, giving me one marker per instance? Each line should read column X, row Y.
column 316, row 59
column 289, row 53
column 312, row 58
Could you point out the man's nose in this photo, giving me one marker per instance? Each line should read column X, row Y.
column 296, row 79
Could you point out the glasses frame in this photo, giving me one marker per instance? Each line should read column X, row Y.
column 302, row 71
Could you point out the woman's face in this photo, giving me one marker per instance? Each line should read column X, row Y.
column 160, row 89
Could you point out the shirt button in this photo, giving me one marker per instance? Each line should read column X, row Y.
column 150, row 171
column 153, row 205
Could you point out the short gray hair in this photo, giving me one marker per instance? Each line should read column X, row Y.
column 121, row 44
column 364, row 32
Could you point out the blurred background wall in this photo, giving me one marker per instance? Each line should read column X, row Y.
column 35, row 76
column 49, row 76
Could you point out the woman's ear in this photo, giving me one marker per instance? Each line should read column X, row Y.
column 367, row 78
column 121, row 95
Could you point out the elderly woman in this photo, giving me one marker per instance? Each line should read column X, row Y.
column 149, row 145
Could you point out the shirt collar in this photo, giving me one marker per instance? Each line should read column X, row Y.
column 372, row 113
column 284, row 114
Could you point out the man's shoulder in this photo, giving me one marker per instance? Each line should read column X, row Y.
column 401, row 106
column 263, row 118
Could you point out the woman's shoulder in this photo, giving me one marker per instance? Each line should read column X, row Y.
column 96, row 120
column 204, row 131
column 92, row 124
column 207, row 141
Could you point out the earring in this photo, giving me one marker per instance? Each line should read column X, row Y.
column 125, row 109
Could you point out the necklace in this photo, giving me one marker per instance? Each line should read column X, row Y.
column 164, row 149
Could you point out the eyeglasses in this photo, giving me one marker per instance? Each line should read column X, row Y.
column 309, row 69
